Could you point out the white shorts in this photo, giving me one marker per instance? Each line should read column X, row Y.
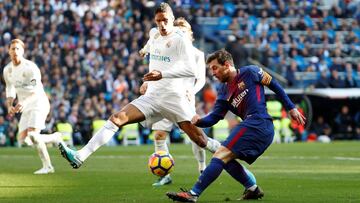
column 175, row 108
column 34, row 119
column 163, row 125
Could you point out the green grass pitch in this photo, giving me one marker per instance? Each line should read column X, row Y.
column 300, row 172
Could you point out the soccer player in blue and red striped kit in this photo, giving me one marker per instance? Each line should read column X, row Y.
column 241, row 92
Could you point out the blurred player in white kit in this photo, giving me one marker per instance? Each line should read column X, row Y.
column 193, row 85
column 172, row 59
column 23, row 80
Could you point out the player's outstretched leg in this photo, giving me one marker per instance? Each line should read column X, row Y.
column 246, row 178
column 70, row 155
column 184, row 196
column 163, row 181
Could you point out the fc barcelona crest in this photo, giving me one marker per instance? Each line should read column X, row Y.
column 241, row 85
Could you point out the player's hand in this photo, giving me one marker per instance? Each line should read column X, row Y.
column 297, row 116
column 11, row 111
column 195, row 120
column 19, row 108
column 142, row 53
column 15, row 109
column 143, row 88
column 152, row 76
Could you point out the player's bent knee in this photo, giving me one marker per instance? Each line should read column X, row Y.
column 34, row 137
column 119, row 118
column 160, row 135
column 224, row 154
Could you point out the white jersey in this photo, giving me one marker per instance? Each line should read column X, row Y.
column 24, row 81
column 197, row 83
column 174, row 57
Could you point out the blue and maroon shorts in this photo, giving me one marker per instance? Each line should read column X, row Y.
column 250, row 138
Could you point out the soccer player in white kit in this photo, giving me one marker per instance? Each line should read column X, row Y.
column 172, row 58
column 23, row 79
column 162, row 128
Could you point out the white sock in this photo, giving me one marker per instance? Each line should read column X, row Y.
column 100, row 138
column 161, row 145
column 200, row 156
column 54, row 138
column 252, row 188
column 41, row 148
column 212, row 145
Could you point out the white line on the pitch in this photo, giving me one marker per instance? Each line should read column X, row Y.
column 347, row 158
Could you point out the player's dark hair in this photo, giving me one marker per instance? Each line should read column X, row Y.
column 164, row 8
column 221, row 55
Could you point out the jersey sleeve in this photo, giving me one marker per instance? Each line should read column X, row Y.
column 10, row 88
column 260, row 75
column 201, row 74
column 186, row 51
column 152, row 33
column 265, row 79
column 218, row 113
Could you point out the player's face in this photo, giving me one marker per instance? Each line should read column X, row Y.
column 221, row 72
column 164, row 22
column 16, row 52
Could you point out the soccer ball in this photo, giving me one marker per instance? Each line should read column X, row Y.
column 161, row 163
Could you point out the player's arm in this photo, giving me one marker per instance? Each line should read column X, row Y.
column 201, row 74
column 10, row 93
column 143, row 88
column 218, row 113
column 266, row 79
column 146, row 49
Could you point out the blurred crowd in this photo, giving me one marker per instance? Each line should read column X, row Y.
column 318, row 38
column 87, row 51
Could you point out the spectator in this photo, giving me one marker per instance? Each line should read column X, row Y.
column 323, row 81
column 349, row 78
column 335, row 80
column 320, row 127
column 236, row 48
column 290, row 73
column 3, row 131
column 357, row 125
column 344, row 123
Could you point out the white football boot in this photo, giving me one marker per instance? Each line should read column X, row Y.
column 45, row 170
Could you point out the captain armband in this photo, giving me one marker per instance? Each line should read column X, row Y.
column 266, row 78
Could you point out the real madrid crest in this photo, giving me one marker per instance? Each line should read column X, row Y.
column 168, row 44
column 156, row 35
column 33, row 82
